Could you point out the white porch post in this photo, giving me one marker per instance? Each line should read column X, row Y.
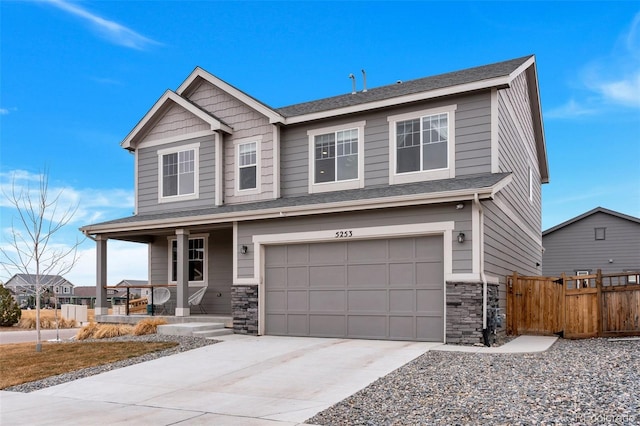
column 102, row 303
column 182, row 273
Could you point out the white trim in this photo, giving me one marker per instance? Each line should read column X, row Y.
column 495, row 133
column 236, row 168
column 205, row 272
column 463, row 278
column 219, row 166
column 475, row 239
column 276, row 161
column 195, row 147
column 136, row 158
column 520, row 224
column 214, row 124
column 234, row 240
column 394, row 231
column 172, row 139
column 422, row 175
column 446, row 91
column 273, row 116
column 337, row 185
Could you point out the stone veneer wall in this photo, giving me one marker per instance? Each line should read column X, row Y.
column 244, row 307
column 464, row 311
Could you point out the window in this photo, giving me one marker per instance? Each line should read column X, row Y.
column 336, row 157
column 197, row 257
column 247, row 165
column 600, row 234
column 422, row 145
column 65, row 290
column 178, row 173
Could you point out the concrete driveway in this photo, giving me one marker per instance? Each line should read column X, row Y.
column 241, row 381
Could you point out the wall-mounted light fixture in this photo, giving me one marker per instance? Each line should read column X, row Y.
column 244, row 249
column 459, row 206
column 461, row 237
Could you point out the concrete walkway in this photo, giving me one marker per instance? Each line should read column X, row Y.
column 244, row 380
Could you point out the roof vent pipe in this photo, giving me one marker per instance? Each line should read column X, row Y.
column 353, row 83
column 364, row 82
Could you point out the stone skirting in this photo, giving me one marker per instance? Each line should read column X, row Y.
column 464, row 311
column 244, row 307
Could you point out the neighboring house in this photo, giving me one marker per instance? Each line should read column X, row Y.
column 24, row 287
column 598, row 239
column 133, row 291
column 85, row 295
column 389, row 213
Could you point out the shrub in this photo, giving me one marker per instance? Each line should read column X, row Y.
column 148, row 326
column 87, row 331
column 104, row 331
column 10, row 312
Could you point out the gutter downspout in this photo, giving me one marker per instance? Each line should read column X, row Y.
column 483, row 277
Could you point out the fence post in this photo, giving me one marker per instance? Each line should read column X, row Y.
column 563, row 303
column 600, row 301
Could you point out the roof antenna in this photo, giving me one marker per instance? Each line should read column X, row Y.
column 364, row 83
column 353, row 83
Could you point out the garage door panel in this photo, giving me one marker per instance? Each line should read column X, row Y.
column 402, row 274
column 367, row 250
column 276, row 255
column 327, row 300
column 402, row 301
column 327, row 325
column 429, row 301
column 367, row 275
column 402, row 327
column 297, row 301
column 367, row 326
column 377, row 289
column 298, row 277
column 327, row 253
column 327, row 276
column 367, row 301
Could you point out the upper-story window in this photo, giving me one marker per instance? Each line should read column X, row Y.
column 247, row 153
column 178, row 173
column 422, row 145
column 336, row 157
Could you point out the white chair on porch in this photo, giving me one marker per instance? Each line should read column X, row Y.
column 159, row 297
column 196, row 299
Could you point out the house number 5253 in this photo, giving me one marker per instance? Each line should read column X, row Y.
column 344, row 234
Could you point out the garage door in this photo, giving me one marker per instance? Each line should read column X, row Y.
column 374, row 289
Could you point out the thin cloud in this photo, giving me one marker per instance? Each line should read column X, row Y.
column 110, row 30
column 570, row 110
column 7, row 111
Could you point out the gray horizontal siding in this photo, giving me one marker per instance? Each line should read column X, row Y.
column 148, row 177
column 340, row 221
column 574, row 246
column 473, row 142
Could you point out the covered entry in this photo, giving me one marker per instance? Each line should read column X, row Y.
column 390, row 288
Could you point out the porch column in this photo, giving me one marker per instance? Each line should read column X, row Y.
column 182, row 273
column 102, row 302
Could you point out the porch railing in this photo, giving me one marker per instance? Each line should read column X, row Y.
column 130, row 301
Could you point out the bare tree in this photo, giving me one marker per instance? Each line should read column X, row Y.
column 31, row 249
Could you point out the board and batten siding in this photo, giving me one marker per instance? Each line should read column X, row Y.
column 462, row 262
column 472, row 144
column 217, row 299
column 246, row 123
column 574, row 247
column 149, row 177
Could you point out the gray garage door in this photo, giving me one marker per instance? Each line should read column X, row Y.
column 375, row 289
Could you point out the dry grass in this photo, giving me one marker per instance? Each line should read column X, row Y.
column 103, row 331
column 20, row 363
column 47, row 320
column 148, row 326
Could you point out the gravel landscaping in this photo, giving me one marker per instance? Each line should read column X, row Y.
column 185, row 344
column 594, row 381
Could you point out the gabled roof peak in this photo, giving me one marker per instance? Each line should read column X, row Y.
column 590, row 213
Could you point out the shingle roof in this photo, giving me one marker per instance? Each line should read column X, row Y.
column 487, row 180
column 30, row 279
column 589, row 213
column 469, row 75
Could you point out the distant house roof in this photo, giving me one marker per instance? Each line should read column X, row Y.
column 590, row 213
column 414, row 193
column 85, row 291
column 132, row 282
column 30, row 280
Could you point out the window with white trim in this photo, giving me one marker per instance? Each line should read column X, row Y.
column 178, row 173
column 422, row 145
column 247, row 166
column 197, row 254
column 336, row 158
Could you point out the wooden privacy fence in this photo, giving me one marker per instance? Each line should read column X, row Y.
column 575, row 307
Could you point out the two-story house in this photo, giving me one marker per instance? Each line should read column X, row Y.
column 388, row 213
column 51, row 286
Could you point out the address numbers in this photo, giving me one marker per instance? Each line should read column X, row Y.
column 344, row 234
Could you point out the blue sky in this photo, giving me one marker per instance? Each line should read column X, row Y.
column 77, row 76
